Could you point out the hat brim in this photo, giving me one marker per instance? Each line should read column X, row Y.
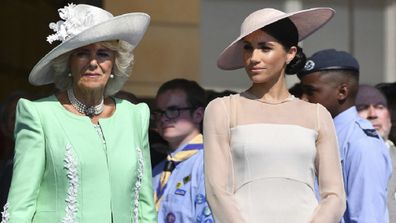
column 306, row 21
column 129, row 27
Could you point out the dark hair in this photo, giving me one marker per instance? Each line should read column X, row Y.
column 388, row 89
column 296, row 90
column 286, row 33
column 195, row 93
column 212, row 94
column 126, row 95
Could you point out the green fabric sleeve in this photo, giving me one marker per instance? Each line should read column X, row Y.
column 29, row 162
column 147, row 211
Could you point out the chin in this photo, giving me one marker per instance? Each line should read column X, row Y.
column 258, row 80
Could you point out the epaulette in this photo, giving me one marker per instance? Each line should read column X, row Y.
column 367, row 128
column 371, row 133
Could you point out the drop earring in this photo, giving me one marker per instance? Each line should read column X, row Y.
column 111, row 76
column 69, row 74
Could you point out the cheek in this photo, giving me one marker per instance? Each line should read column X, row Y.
column 384, row 116
column 107, row 67
column 363, row 114
column 246, row 58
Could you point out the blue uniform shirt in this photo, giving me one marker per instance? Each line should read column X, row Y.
column 366, row 166
column 184, row 199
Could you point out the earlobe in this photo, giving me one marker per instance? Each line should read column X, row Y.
column 291, row 54
column 343, row 92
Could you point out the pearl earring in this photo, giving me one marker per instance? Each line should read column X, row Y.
column 111, row 76
column 69, row 74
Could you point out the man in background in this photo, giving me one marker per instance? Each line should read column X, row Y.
column 331, row 78
column 373, row 106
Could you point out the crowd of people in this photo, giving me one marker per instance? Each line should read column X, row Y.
column 321, row 151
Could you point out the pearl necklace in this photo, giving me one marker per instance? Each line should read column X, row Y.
column 89, row 111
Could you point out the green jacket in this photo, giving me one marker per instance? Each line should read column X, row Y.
column 64, row 172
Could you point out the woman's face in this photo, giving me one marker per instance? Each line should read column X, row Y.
column 264, row 57
column 91, row 66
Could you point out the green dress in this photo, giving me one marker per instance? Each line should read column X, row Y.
column 64, row 171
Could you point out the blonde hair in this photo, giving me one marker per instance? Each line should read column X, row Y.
column 123, row 64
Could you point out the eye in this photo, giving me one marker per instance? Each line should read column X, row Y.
column 105, row 54
column 81, row 53
column 361, row 107
column 247, row 47
column 265, row 48
column 380, row 106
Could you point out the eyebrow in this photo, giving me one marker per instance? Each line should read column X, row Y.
column 259, row 43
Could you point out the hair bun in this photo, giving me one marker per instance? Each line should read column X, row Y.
column 298, row 62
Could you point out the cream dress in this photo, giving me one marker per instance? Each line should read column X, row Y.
column 261, row 160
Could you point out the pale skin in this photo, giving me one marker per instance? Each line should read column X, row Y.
column 90, row 67
column 265, row 60
column 181, row 130
column 379, row 116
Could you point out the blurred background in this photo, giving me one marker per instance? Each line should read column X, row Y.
column 186, row 36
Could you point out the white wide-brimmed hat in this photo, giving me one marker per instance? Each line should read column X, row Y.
column 307, row 22
column 84, row 25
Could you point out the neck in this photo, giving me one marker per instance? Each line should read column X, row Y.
column 90, row 110
column 270, row 91
column 89, row 97
column 343, row 106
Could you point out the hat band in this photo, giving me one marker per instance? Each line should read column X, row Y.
column 330, row 68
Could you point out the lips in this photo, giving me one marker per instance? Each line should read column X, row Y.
column 256, row 69
column 166, row 127
column 91, row 75
column 377, row 126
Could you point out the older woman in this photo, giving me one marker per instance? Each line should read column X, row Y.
column 82, row 155
column 263, row 147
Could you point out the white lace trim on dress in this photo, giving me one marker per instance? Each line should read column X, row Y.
column 138, row 185
column 70, row 164
column 5, row 215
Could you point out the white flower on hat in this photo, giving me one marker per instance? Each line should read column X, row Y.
column 74, row 23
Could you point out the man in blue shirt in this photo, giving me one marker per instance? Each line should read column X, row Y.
column 179, row 180
column 331, row 78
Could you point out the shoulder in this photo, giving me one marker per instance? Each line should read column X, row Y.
column 310, row 111
column 365, row 139
column 222, row 100
column 127, row 106
column 315, row 107
column 42, row 105
column 366, row 129
column 217, row 106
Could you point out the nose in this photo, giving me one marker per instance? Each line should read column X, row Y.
column 255, row 55
column 371, row 112
column 93, row 62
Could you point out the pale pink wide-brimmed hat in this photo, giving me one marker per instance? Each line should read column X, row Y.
column 307, row 22
column 82, row 25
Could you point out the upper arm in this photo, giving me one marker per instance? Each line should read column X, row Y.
column 365, row 169
column 29, row 162
column 146, row 202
